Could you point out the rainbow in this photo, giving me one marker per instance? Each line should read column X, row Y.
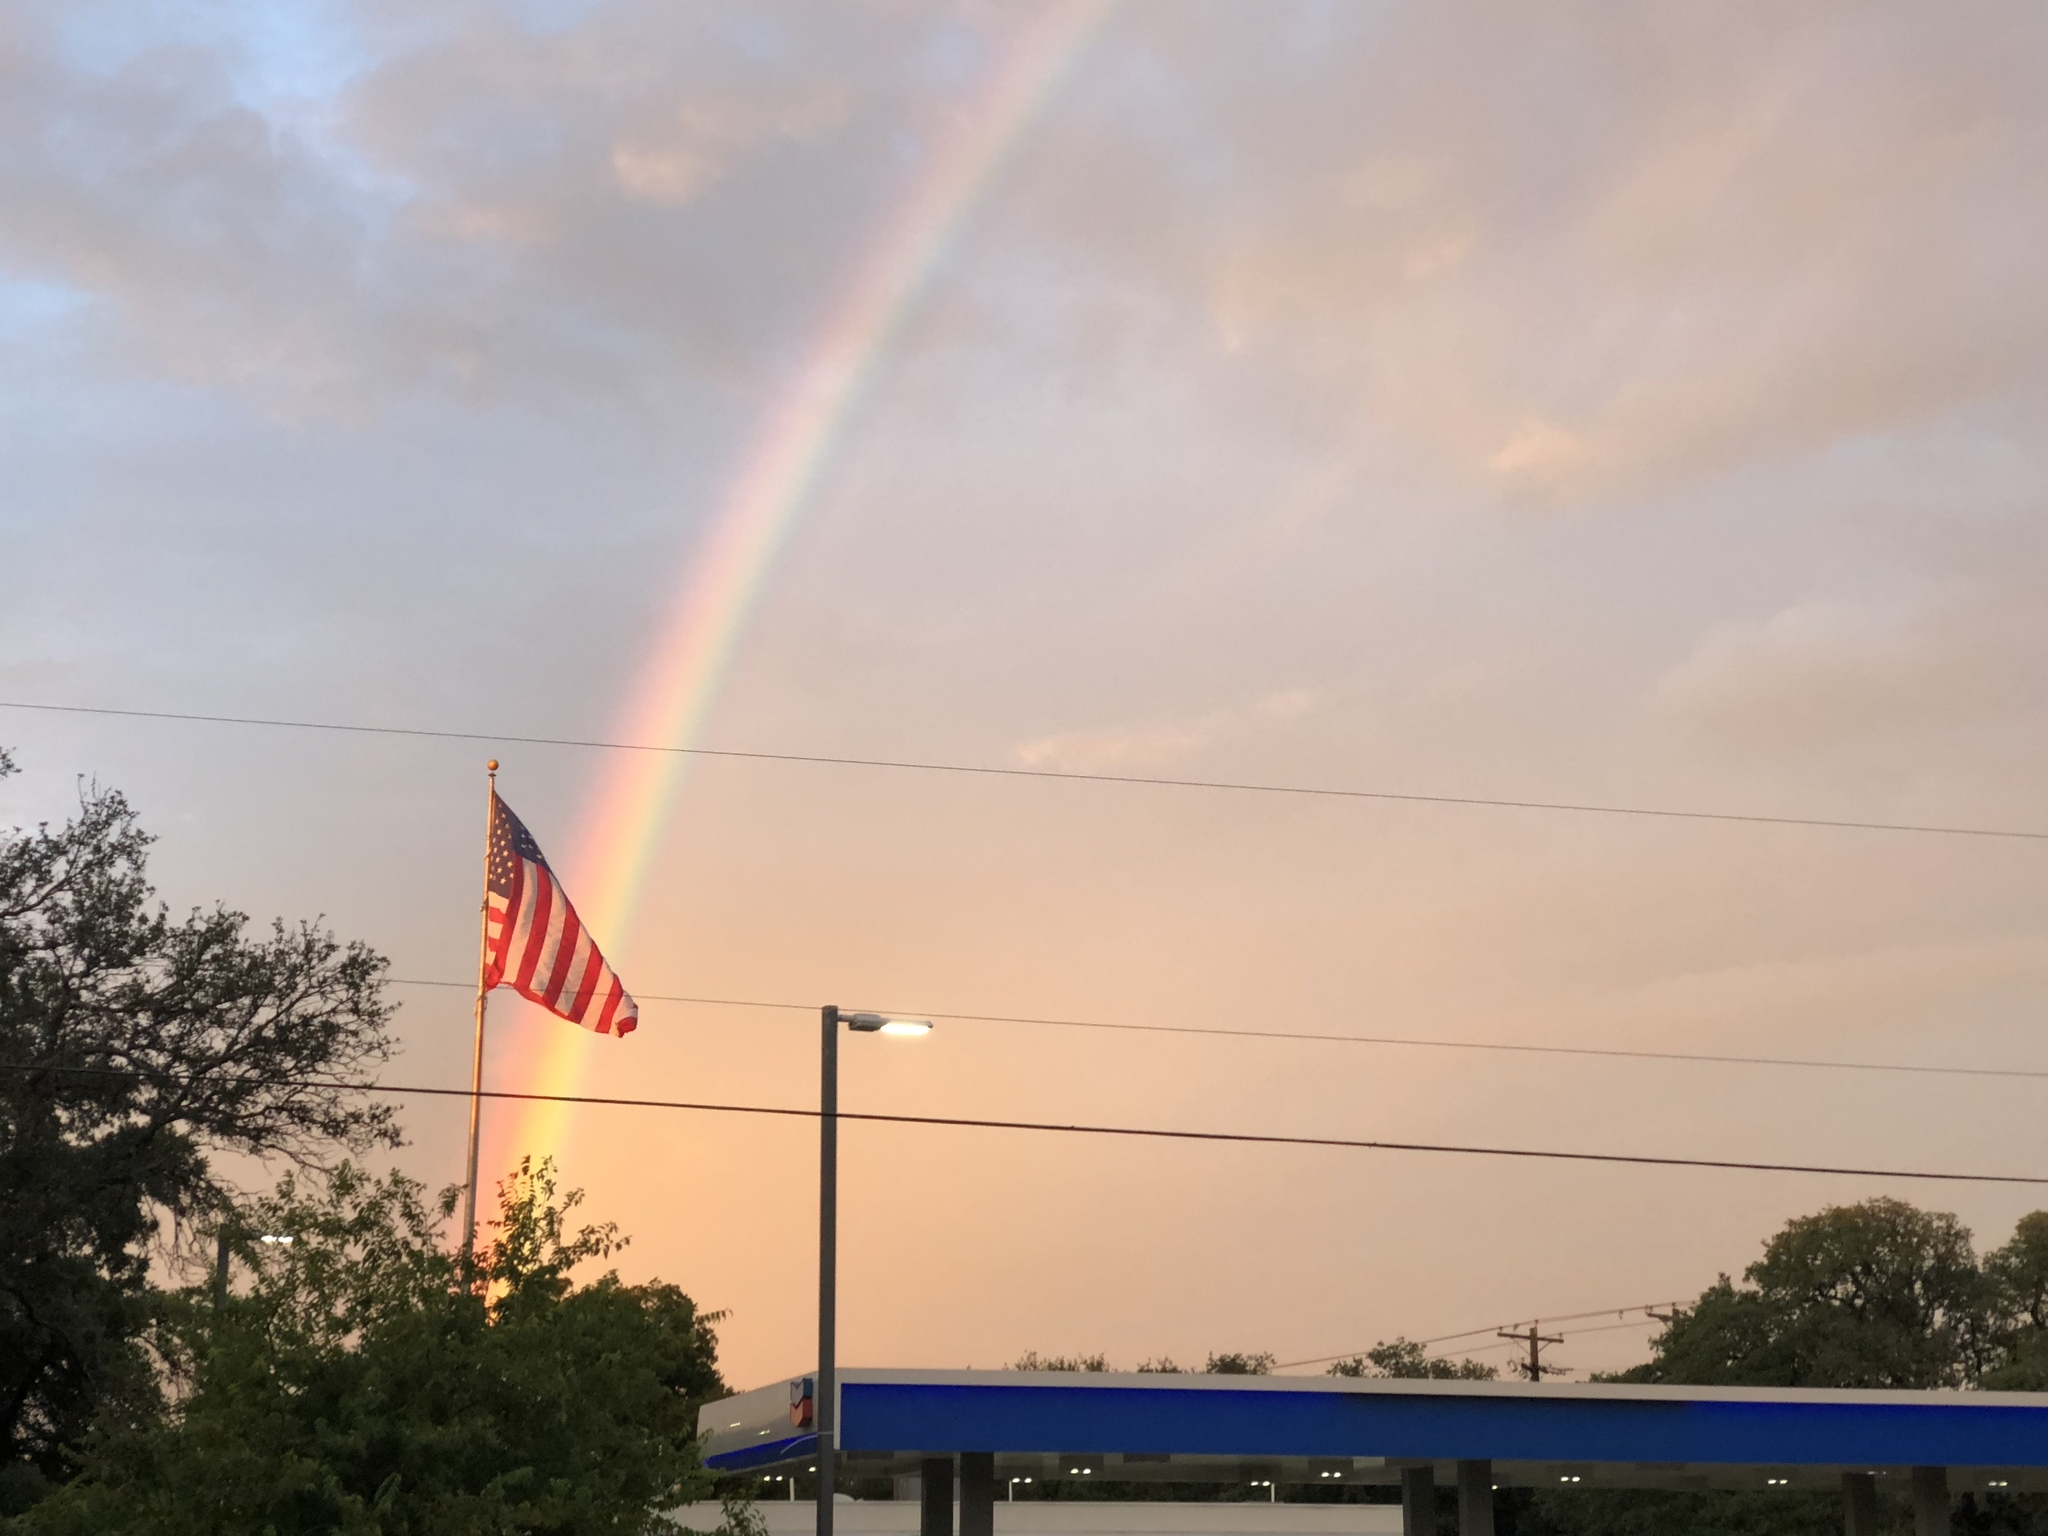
column 680, row 681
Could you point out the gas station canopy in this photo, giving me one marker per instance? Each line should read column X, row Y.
column 1323, row 1430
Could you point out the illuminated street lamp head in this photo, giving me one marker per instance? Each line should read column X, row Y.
column 882, row 1023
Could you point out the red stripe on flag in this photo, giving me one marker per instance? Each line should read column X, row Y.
column 565, row 956
column 520, row 923
column 550, row 940
column 501, row 930
column 612, row 995
column 586, row 984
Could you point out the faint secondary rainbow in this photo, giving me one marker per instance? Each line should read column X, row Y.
column 686, row 666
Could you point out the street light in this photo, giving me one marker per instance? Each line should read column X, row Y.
column 224, row 1241
column 824, row 1411
column 882, row 1024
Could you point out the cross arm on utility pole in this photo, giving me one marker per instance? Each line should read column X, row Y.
column 1534, row 1367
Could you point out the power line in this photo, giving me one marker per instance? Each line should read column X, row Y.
column 989, row 771
column 1573, row 1333
column 1516, row 1340
column 1495, row 1328
column 1648, row 1307
column 1148, row 1133
column 1570, row 1333
column 1615, row 1052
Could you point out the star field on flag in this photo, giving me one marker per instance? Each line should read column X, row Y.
column 535, row 943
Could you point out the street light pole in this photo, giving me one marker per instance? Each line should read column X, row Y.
column 822, row 1405
column 825, row 1396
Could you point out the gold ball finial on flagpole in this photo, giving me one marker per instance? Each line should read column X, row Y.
column 492, row 765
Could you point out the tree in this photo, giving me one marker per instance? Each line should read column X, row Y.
column 133, row 1050
column 2017, row 1278
column 1226, row 1364
column 1404, row 1359
column 2019, row 1275
column 1032, row 1360
column 1879, row 1294
column 368, row 1382
column 1232, row 1363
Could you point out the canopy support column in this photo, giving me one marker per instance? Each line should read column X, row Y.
column 935, row 1511
column 1475, row 1498
column 1859, row 1504
column 1930, row 1501
column 977, row 1493
column 1418, row 1501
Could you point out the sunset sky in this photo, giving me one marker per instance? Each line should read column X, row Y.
column 1642, row 406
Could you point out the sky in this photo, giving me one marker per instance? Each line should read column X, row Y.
column 1636, row 406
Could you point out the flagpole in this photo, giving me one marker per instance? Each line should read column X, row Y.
column 476, row 1068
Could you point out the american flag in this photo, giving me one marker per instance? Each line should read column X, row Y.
column 535, row 942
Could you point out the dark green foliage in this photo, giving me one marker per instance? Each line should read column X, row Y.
column 1032, row 1360
column 1760, row 1513
column 2024, row 1367
column 1404, row 1359
column 1643, row 1513
column 1880, row 1294
column 2018, row 1279
column 1232, row 1363
column 366, row 1384
column 132, row 1049
column 2019, row 1274
column 1227, row 1364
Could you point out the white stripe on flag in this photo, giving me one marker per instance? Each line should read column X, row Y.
column 558, row 913
column 522, row 931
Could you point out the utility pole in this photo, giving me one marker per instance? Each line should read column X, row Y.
column 1534, row 1367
